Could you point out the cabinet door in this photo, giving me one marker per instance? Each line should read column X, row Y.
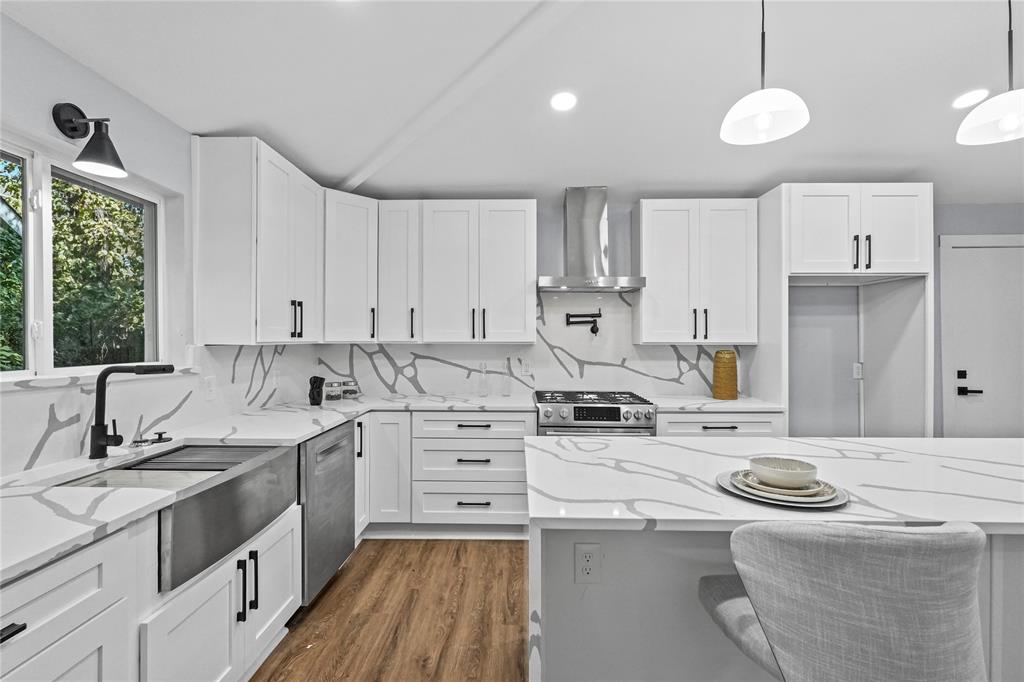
column 668, row 237
column 307, row 205
column 196, row 635
column 94, row 651
column 389, row 449
column 399, row 312
column 362, row 476
column 274, row 277
column 450, row 271
column 728, row 270
column 508, row 271
column 350, row 270
column 896, row 227
column 824, row 228
column 275, row 582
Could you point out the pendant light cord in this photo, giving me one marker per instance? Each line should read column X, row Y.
column 1009, row 43
column 762, row 46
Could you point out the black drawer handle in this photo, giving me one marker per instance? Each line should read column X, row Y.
column 241, row 566
column 856, row 251
column 473, row 426
column 460, row 460
column 254, row 557
column 12, row 630
column 963, row 390
column 373, row 323
column 705, row 323
column 460, row 503
column 295, row 324
column 867, row 245
column 359, row 426
column 412, row 323
column 719, row 428
column 694, row 324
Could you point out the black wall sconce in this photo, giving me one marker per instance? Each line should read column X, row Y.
column 99, row 156
column 573, row 319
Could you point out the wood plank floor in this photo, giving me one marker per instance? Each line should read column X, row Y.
column 414, row 610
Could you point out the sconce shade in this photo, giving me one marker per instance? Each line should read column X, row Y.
column 99, row 156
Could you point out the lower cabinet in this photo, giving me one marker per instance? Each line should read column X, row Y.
column 222, row 625
column 387, row 446
column 722, row 424
column 469, row 502
column 361, row 473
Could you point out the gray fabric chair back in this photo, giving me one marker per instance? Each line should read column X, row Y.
column 866, row 603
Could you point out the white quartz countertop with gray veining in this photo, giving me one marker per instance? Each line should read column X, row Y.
column 669, row 483
column 702, row 403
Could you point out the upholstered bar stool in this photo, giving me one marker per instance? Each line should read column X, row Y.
column 818, row 601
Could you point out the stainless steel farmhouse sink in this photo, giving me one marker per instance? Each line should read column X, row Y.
column 227, row 494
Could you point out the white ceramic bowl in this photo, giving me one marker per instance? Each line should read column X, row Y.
column 783, row 472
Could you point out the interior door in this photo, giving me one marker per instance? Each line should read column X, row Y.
column 669, row 244
column 508, row 271
column 350, row 268
column 399, row 312
column 274, row 276
column 982, row 302
column 307, row 255
column 451, row 282
column 728, row 270
column 896, row 227
column 275, row 582
column 824, row 228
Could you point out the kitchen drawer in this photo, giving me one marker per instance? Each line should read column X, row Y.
column 491, row 502
column 474, row 424
column 468, row 459
column 62, row 596
column 722, row 424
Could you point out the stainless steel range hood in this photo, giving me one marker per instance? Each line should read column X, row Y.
column 586, row 247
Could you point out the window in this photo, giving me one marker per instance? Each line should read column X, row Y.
column 99, row 283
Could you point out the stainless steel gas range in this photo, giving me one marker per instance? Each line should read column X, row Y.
column 593, row 413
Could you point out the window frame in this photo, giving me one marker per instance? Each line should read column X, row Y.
column 37, row 230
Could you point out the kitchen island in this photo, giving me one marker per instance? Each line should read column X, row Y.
column 661, row 522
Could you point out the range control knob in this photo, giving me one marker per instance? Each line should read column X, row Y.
column 649, row 414
column 564, row 413
column 636, row 415
column 626, row 414
column 547, row 412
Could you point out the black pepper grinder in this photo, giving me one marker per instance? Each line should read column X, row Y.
column 316, row 390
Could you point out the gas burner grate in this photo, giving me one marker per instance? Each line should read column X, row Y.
column 590, row 397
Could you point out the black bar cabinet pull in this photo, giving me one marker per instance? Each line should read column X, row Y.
column 705, row 323
column 373, row 322
column 302, row 320
column 963, row 390
column 12, row 630
column 359, row 427
column 694, row 324
column 460, row 460
column 241, row 565
column 867, row 245
column 460, row 503
column 473, row 426
column 412, row 323
column 732, row 427
column 483, row 321
column 856, row 251
column 294, row 312
column 254, row 557
column 472, row 328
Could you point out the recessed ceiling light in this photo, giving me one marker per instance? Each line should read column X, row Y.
column 563, row 101
column 969, row 99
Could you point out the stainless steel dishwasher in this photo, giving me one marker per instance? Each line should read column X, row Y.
column 326, row 492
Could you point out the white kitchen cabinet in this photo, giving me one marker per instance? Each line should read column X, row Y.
column 837, row 228
column 361, row 472
column 275, row 583
column 700, row 261
column 258, row 245
column 721, row 424
column 350, row 268
column 470, row 502
column 479, row 271
column 388, row 449
column 399, row 311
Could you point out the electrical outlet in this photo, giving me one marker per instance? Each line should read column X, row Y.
column 210, row 387
column 524, row 368
column 858, row 370
column 587, row 563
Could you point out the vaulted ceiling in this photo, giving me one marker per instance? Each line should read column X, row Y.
column 396, row 99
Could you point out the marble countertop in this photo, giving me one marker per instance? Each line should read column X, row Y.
column 669, row 483
column 702, row 403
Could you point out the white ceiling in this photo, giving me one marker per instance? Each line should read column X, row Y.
column 450, row 98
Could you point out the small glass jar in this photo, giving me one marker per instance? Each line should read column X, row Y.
column 349, row 389
column 333, row 390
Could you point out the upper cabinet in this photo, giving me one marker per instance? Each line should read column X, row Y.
column 479, row 271
column 350, row 268
column 860, row 228
column 259, row 230
column 399, row 312
column 700, row 261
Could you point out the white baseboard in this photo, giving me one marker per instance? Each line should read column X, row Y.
column 431, row 531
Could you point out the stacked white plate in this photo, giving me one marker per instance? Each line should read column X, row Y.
column 816, row 495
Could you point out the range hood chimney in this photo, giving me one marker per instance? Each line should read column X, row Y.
column 586, row 247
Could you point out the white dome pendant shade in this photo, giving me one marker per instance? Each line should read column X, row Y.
column 764, row 115
column 1001, row 118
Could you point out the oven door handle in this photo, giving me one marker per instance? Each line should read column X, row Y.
column 597, row 431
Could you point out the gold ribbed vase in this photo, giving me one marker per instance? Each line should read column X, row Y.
column 723, row 384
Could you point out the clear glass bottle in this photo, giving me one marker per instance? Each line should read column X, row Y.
column 506, row 382
column 482, row 388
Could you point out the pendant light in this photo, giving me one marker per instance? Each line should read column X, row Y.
column 98, row 157
column 1001, row 118
column 764, row 115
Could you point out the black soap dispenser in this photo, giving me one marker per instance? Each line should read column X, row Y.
column 316, row 390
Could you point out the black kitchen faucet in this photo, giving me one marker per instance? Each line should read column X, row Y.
column 99, row 439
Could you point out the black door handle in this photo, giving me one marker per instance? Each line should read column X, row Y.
column 483, row 321
column 373, row 323
column 733, row 427
column 302, row 320
column 460, row 503
column 694, row 324
column 867, row 246
column 705, row 323
column 254, row 557
column 294, row 312
column 856, row 251
column 11, row 630
column 359, row 427
column 460, row 460
column 472, row 426
column 240, row 565
column 963, row 390
column 472, row 332
column 412, row 323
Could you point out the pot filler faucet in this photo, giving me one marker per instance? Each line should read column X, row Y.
column 99, row 439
